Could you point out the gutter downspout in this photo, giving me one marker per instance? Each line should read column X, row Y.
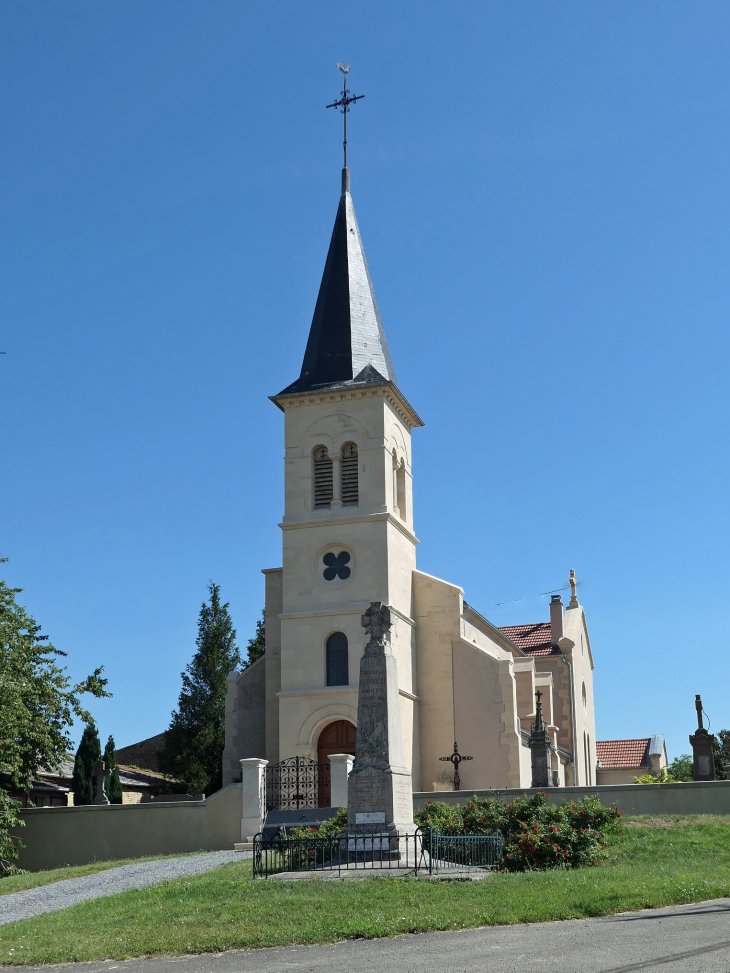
column 572, row 719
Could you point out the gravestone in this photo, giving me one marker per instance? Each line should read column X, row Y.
column 703, row 748
column 379, row 793
column 101, row 774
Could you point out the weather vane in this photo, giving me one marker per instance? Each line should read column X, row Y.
column 344, row 103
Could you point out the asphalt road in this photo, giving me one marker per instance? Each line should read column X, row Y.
column 691, row 938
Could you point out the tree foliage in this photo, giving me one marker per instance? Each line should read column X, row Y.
column 722, row 753
column 113, row 784
column 681, row 768
column 257, row 645
column 88, row 755
column 194, row 742
column 38, row 703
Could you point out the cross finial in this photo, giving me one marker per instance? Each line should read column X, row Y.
column 344, row 103
column 376, row 621
column 539, row 722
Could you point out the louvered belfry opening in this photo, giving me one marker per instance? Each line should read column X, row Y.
column 322, row 477
column 350, row 496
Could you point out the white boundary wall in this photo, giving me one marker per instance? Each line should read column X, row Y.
column 697, row 797
column 57, row 836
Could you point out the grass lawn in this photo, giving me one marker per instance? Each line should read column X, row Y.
column 31, row 880
column 658, row 862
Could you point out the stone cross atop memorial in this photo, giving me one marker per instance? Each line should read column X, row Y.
column 380, row 793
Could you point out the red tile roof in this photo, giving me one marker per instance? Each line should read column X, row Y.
column 623, row 753
column 532, row 639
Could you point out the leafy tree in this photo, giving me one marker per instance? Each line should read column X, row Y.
column 681, row 768
column 257, row 645
column 88, row 755
column 194, row 742
column 113, row 784
column 722, row 753
column 38, row 703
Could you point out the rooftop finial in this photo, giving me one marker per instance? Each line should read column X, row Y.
column 343, row 104
column 573, row 585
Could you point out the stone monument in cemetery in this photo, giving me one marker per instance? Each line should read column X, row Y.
column 703, row 748
column 540, row 747
column 380, row 793
column 101, row 776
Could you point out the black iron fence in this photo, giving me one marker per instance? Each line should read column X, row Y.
column 430, row 853
column 464, row 851
column 344, row 852
column 297, row 783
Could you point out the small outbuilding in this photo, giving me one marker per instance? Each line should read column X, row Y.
column 619, row 761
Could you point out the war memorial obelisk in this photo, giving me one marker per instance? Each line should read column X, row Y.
column 379, row 791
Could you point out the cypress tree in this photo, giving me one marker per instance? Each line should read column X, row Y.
column 113, row 785
column 257, row 645
column 87, row 760
column 194, row 742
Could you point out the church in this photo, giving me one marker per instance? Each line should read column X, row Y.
column 348, row 539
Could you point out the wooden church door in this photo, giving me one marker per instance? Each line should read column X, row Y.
column 337, row 737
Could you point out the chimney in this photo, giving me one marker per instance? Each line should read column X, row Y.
column 556, row 619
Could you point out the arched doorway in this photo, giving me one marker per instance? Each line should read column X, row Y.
column 337, row 737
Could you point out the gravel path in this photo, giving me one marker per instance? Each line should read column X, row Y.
column 60, row 895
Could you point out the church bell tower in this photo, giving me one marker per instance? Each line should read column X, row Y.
column 348, row 523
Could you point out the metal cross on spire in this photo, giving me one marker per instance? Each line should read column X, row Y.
column 344, row 103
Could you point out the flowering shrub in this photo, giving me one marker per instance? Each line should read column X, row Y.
column 327, row 829
column 306, row 853
column 536, row 835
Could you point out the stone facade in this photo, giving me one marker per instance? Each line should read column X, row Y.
column 456, row 675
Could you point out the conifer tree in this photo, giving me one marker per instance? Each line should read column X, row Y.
column 87, row 760
column 113, row 785
column 194, row 742
column 257, row 645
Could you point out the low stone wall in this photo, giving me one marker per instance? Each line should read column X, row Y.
column 57, row 836
column 698, row 797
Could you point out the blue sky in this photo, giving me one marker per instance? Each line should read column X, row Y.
column 543, row 196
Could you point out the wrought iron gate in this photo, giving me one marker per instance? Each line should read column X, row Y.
column 297, row 783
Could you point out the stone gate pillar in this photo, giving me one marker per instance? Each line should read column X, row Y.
column 253, row 790
column 341, row 765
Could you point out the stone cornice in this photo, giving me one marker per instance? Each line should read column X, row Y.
column 344, row 611
column 390, row 392
column 366, row 519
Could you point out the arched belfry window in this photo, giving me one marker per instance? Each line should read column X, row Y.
column 337, row 664
column 400, row 484
column 350, row 497
column 322, row 477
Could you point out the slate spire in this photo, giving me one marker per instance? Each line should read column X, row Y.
column 347, row 343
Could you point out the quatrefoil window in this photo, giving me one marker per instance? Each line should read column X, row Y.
column 336, row 566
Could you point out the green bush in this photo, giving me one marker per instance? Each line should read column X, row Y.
column 662, row 777
column 536, row 835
